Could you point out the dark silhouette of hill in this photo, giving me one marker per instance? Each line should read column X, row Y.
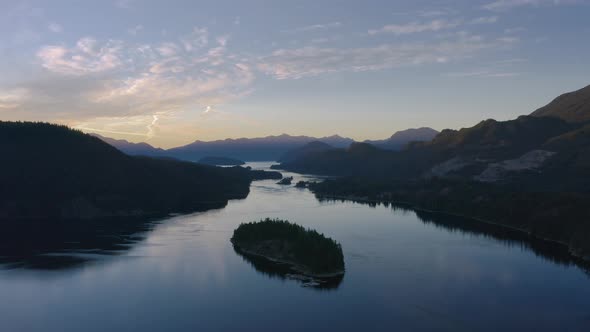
column 311, row 147
column 571, row 107
column 401, row 139
column 133, row 149
column 251, row 149
column 220, row 161
column 51, row 171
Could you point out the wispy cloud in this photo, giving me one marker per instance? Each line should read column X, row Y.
column 484, row 20
column 125, row 88
column 329, row 25
column 124, row 4
column 502, row 5
column 11, row 99
column 135, row 30
column 87, row 56
column 54, row 27
column 415, row 27
column 483, row 73
column 313, row 61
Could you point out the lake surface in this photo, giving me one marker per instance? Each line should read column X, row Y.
column 404, row 271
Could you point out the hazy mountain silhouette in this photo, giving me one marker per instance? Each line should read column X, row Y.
column 251, row 149
column 262, row 148
column 133, row 149
column 400, row 139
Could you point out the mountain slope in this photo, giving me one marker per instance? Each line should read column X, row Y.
column 51, row 171
column 571, row 107
column 400, row 139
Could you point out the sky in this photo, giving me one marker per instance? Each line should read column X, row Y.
column 172, row 72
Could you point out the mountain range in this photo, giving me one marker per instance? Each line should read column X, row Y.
column 552, row 143
column 261, row 148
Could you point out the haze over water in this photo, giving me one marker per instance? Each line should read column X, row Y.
column 401, row 274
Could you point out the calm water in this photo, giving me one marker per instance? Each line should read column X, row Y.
column 404, row 272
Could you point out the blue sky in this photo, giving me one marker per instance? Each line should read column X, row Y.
column 172, row 72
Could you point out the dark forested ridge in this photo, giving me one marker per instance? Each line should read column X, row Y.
column 51, row 171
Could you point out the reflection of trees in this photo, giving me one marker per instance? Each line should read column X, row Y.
column 284, row 272
column 60, row 244
column 551, row 251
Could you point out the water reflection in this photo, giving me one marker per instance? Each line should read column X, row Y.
column 552, row 251
column 284, row 272
column 44, row 244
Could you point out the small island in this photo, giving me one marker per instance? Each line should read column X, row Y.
column 286, row 180
column 221, row 161
column 306, row 252
column 302, row 184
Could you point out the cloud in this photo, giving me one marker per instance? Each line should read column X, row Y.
column 151, row 127
column 483, row 73
column 502, row 5
column 415, row 27
column 135, row 30
column 11, row 99
column 84, row 58
column 123, row 4
column 434, row 13
column 118, row 87
column 197, row 39
column 330, row 25
column 313, row 61
column 54, row 27
column 168, row 49
column 484, row 20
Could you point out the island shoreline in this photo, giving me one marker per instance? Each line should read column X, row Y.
column 292, row 265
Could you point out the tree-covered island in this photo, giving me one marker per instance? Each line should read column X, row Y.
column 306, row 251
